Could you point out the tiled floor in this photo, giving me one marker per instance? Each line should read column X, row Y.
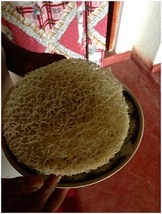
column 136, row 188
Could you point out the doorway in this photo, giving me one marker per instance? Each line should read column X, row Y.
column 112, row 25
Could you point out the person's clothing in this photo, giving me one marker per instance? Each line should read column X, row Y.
column 73, row 29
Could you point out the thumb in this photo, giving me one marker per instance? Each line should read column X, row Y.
column 21, row 185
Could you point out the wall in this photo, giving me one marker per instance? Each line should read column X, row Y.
column 140, row 30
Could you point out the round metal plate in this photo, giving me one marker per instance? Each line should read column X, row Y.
column 115, row 164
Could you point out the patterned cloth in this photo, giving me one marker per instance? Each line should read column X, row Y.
column 74, row 29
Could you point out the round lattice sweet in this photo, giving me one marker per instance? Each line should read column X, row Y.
column 66, row 118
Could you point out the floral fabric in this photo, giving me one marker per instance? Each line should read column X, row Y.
column 74, row 29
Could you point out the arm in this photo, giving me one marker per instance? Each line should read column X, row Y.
column 21, row 61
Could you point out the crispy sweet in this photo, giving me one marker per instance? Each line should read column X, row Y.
column 66, row 118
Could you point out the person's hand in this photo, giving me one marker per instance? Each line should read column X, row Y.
column 21, row 61
column 31, row 194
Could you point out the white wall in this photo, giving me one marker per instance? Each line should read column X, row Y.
column 158, row 57
column 140, row 29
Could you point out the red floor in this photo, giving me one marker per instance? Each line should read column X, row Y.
column 135, row 188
